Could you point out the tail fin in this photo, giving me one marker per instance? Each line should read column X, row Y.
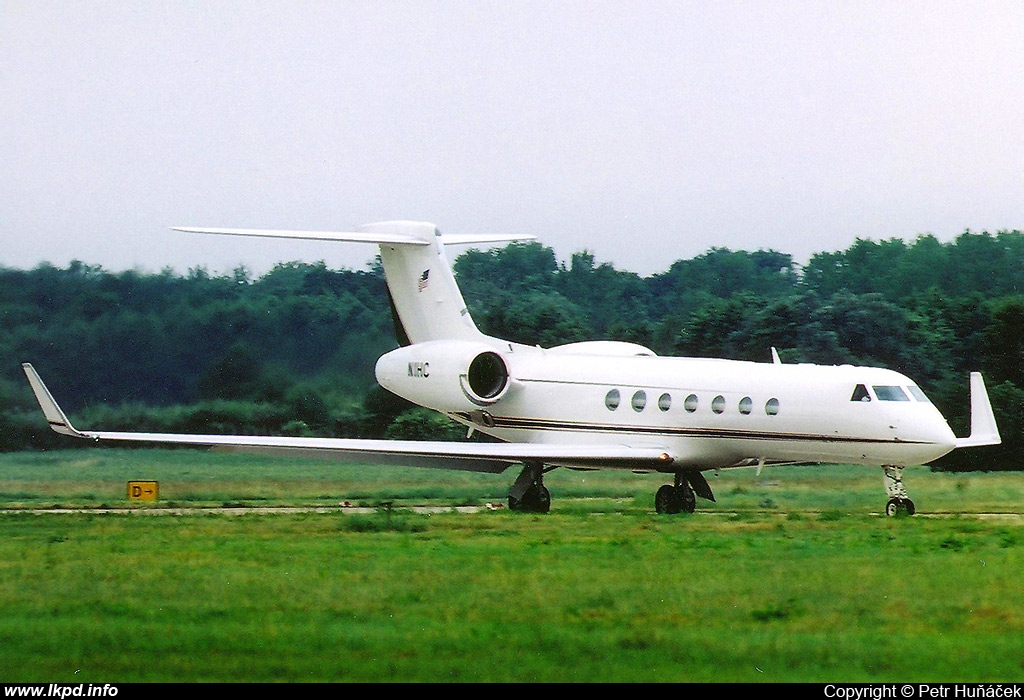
column 984, row 430
column 425, row 298
column 422, row 287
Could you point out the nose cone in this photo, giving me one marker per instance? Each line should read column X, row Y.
column 945, row 439
column 936, row 436
column 921, row 433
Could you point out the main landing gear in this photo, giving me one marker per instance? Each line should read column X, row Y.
column 528, row 494
column 681, row 496
column 899, row 503
column 675, row 499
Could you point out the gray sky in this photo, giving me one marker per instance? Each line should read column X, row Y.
column 642, row 131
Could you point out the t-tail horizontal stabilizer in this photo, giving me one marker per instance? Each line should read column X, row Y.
column 368, row 233
column 984, row 430
column 424, row 295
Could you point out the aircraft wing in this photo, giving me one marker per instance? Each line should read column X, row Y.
column 467, row 456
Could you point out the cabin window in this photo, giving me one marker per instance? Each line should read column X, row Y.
column 718, row 404
column 861, row 394
column 611, row 399
column 691, row 403
column 772, row 407
column 890, row 393
column 639, row 400
column 746, row 405
column 665, row 402
column 917, row 394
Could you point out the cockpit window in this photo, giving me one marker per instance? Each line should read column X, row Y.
column 861, row 393
column 890, row 393
column 917, row 394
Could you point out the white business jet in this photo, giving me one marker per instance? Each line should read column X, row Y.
column 601, row 404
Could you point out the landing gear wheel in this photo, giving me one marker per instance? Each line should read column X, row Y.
column 667, row 500
column 537, row 499
column 687, row 498
column 900, row 506
column 675, row 499
column 532, row 496
column 541, row 499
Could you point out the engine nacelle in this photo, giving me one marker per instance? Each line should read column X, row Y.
column 446, row 375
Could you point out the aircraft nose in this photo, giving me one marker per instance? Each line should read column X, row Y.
column 946, row 437
column 940, row 434
column 930, row 435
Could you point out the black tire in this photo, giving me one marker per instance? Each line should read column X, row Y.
column 687, row 499
column 542, row 500
column 667, row 500
column 537, row 499
column 900, row 506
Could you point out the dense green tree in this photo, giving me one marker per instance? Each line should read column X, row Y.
column 614, row 303
column 537, row 318
column 719, row 274
column 1004, row 338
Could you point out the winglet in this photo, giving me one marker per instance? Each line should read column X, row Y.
column 54, row 415
column 984, row 430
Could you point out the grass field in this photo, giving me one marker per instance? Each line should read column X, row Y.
column 791, row 576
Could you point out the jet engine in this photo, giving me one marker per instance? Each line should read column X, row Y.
column 446, row 375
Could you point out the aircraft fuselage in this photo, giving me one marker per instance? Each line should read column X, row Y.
column 709, row 413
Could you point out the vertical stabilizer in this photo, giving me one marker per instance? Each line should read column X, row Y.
column 426, row 298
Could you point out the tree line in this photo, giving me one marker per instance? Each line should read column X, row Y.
column 292, row 352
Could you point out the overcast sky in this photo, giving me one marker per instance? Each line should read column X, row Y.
column 644, row 132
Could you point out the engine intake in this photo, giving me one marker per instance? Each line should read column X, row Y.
column 446, row 375
column 487, row 377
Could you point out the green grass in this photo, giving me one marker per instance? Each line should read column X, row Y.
column 97, row 477
column 790, row 577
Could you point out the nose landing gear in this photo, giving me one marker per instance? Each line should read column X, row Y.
column 899, row 503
